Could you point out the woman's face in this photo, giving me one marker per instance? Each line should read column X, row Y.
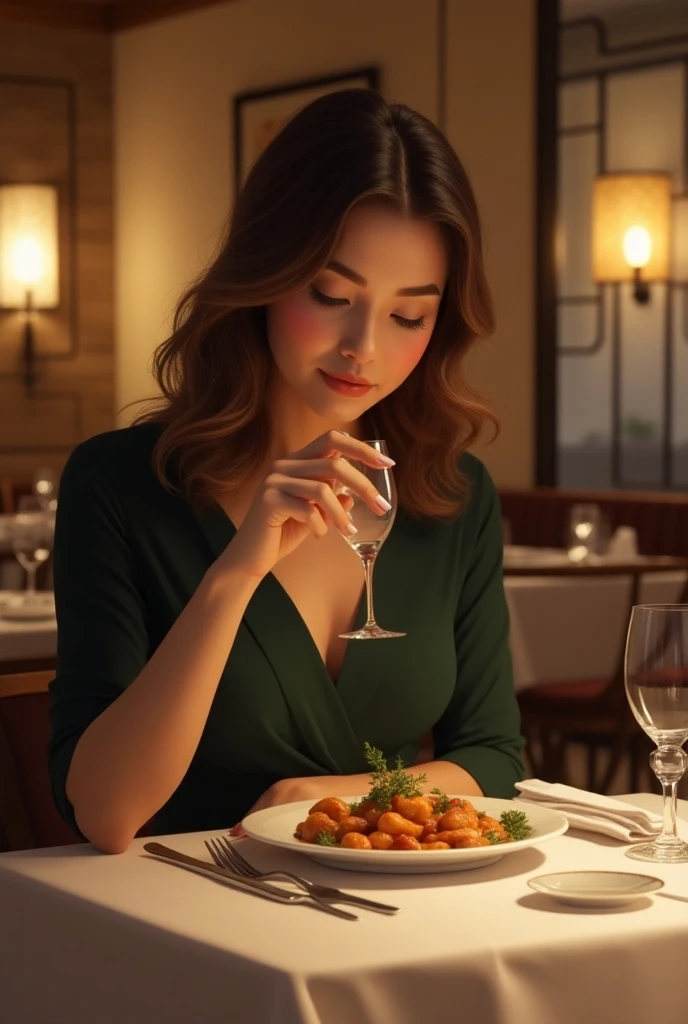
column 368, row 316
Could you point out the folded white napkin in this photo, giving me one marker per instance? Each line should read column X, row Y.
column 593, row 812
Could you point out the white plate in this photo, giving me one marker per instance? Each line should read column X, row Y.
column 275, row 825
column 17, row 609
column 596, row 888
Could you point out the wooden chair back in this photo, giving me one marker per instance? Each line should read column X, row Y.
column 28, row 816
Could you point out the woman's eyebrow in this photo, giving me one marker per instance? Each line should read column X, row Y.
column 421, row 289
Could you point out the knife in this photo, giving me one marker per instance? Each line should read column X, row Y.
column 271, row 892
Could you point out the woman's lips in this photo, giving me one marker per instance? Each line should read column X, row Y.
column 344, row 387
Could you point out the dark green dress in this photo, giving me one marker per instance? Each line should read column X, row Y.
column 129, row 555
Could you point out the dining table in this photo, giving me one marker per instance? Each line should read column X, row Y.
column 28, row 643
column 87, row 937
column 569, row 621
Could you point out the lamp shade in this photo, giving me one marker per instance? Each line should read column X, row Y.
column 28, row 246
column 631, row 226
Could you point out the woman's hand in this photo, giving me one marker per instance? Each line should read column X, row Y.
column 314, row 788
column 297, row 497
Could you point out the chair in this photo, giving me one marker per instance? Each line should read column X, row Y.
column 28, row 816
column 11, row 490
column 591, row 712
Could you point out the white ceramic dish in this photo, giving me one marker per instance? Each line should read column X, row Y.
column 275, row 825
column 596, row 888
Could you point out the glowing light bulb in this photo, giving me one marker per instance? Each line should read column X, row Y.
column 27, row 261
column 637, row 246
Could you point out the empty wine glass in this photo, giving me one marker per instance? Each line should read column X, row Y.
column 656, row 671
column 45, row 487
column 584, row 531
column 373, row 530
column 31, row 534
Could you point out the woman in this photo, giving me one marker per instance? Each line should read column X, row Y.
column 201, row 580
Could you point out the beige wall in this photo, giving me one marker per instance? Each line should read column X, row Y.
column 174, row 82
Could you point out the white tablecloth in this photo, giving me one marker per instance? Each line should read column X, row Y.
column 88, row 938
column 564, row 628
column 36, row 638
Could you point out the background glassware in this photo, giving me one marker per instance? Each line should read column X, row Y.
column 656, row 672
column 45, row 487
column 31, row 535
column 583, row 531
column 373, row 530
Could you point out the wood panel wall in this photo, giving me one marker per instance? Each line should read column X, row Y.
column 56, row 125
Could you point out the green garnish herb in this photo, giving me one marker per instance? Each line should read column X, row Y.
column 492, row 837
column 443, row 801
column 481, row 814
column 355, row 807
column 325, row 838
column 516, row 825
column 388, row 782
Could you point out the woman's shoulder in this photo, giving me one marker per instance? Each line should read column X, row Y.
column 482, row 492
column 125, row 452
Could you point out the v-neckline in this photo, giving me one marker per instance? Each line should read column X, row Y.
column 329, row 717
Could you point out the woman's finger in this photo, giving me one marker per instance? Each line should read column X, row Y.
column 337, row 442
column 336, row 470
column 313, row 492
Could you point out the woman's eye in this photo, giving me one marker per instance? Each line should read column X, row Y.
column 326, row 300
column 411, row 325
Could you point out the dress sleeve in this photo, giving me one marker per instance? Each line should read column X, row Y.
column 102, row 641
column 480, row 728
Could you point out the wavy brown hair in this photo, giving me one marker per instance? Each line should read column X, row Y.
column 342, row 149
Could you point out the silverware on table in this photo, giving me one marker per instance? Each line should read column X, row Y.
column 242, row 882
column 225, row 853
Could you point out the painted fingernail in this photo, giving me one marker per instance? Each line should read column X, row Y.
column 351, row 529
column 382, row 503
column 386, row 461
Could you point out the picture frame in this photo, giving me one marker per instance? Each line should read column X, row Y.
column 259, row 114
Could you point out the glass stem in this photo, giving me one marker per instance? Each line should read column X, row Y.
column 31, row 583
column 669, row 829
column 368, row 565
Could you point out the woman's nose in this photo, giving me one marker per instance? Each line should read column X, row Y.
column 360, row 342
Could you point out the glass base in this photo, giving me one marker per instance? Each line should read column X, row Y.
column 674, row 851
column 370, row 633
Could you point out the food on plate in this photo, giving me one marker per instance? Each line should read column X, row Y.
column 397, row 815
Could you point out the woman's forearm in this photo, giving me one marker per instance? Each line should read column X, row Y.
column 131, row 759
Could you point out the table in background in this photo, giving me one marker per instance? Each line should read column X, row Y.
column 567, row 622
column 26, row 645
column 86, row 937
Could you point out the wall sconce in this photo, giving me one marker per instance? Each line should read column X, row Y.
column 28, row 260
column 631, row 230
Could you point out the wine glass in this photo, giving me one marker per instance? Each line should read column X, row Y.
column 584, row 531
column 656, row 671
column 31, row 534
column 44, row 487
column 373, row 530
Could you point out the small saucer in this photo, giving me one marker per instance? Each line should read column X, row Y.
column 596, row 888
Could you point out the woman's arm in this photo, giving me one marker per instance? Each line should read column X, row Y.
column 124, row 746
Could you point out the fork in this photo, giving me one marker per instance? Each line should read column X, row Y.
column 233, row 859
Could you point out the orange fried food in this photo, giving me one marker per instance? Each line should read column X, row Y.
column 315, row 823
column 403, row 842
column 352, row 824
column 299, row 829
column 463, row 815
column 381, row 840
column 398, row 826
column 355, row 841
column 435, row 846
column 333, row 807
column 460, row 838
column 430, row 827
column 487, row 824
column 415, row 808
column 371, row 811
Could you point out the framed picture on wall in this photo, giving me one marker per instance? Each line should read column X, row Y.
column 259, row 115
